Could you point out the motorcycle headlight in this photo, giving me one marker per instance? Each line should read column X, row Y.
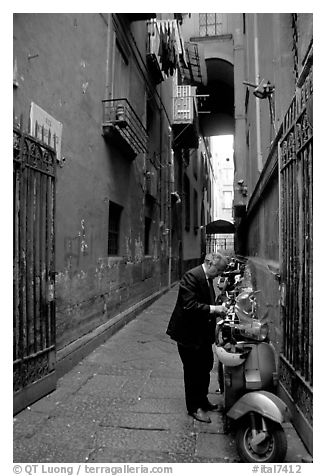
column 263, row 332
column 255, row 330
column 259, row 330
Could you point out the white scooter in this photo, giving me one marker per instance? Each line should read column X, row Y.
column 250, row 378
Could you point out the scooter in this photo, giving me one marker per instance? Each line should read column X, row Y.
column 250, row 378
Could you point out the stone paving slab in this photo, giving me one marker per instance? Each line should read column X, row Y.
column 69, row 431
column 27, row 423
column 149, row 421
column 296, row 449
column 109, row 368
column 107, row 385
column 146, row 440
column 103, row 455
column 216, row 427
column 212, row 445
column 84, row 407
column 36, row 451
column 167, row 372
column 155, row 405
column 163, row 388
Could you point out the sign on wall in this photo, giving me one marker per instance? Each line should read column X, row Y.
column 43, row 119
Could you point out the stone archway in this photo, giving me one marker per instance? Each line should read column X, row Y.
column 220, row 103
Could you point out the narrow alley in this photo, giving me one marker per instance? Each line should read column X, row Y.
column 125, row 403
column 143, row 144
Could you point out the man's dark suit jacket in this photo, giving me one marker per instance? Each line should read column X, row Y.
column 191, row 324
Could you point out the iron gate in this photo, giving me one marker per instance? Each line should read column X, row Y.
column 34, row 262
column 295, row 154
column 215, row 243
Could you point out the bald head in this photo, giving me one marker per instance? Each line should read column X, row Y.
column 215, row 264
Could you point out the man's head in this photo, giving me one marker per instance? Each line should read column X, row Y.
column 214, row 264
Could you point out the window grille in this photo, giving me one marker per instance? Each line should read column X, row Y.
column 211, row 24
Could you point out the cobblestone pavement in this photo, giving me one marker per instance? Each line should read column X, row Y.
column 125, row 403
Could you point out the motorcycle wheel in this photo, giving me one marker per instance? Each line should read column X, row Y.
column 271, row 450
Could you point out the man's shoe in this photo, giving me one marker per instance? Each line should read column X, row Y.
column 211, row 407
column 200, row 416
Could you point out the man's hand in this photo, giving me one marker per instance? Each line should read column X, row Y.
column 219, row 310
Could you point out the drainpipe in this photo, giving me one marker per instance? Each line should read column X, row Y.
column 110, row 63
column 170, row 189
column 256, row 53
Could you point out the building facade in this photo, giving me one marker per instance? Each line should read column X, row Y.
column 274, row 164
column 101, row 151
column 259, row 88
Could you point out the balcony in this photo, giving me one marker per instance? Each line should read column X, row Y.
column 185, row 118
column 122, row 126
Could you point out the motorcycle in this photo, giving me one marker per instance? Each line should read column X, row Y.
column 249, row 373
column 232, row 276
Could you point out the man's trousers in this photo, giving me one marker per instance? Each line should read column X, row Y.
column 197, row 364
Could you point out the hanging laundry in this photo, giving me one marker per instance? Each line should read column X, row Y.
column 169, row 45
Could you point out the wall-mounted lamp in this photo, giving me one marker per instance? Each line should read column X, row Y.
column 262, row 90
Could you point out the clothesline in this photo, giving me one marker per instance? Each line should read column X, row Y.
column 167, row 44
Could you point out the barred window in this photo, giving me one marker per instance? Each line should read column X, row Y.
column 210, row 24
column 114, row 228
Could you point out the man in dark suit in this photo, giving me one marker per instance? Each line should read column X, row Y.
column 192, row 326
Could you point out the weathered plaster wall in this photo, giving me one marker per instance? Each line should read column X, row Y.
column 61, row 62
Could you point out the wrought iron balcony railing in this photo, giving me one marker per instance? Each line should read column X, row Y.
column 122, row 124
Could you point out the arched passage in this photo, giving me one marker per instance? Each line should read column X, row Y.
column 217, row 110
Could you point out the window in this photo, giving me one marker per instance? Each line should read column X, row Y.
column 195, row 212
column 148, row 220
column 227, row 199
column 185, row 154
column 121, row 73
column 148, row 223
column 114, row 228
column 149, row 117
column 209, row 191
column 227, row 175
column 186, row 185
column 121, row 55
column 195, row 164
column 211, row 24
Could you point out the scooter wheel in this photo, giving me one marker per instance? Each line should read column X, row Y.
column 271, row 450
